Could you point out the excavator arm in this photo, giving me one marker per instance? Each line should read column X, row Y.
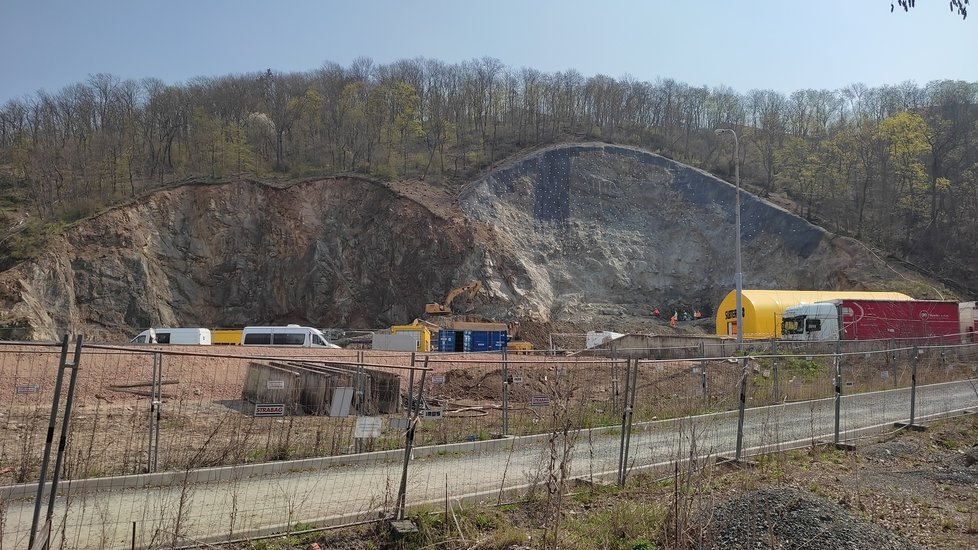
column 470, row 290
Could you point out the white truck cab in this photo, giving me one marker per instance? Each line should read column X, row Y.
column 818, row 321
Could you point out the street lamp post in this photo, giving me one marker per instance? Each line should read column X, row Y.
column 739, row 286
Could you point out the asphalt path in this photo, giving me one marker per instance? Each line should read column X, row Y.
column 248, row 506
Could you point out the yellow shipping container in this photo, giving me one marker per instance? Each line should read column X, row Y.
column 763, row 308
column 226, row 336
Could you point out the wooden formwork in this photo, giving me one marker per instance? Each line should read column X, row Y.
column 273, row 383
column 309, row 387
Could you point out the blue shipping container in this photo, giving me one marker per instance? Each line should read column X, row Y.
column 471, row 340
column 446, row 340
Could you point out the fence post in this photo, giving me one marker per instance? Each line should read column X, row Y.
column 409, row 442
column 614, row 380
column 358, row 397
column 361, row 379
column 741, row 410
column 631, row 381
column 506, row 379
column 943, row 358
column 775, row 366
column 614, row 386
column 913, row 385
column 65, row 428
column 631, row 414
column 703, row 375
column 892, row 359
column 46, row 460
column 410, row 392
column 155, row 413
column 838, row 390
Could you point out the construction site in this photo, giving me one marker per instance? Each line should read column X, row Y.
column 569, row 239
column 549, row 324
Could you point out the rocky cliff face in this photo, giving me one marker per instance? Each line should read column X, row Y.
column 603, row 228
column 557, row 235
column 341, row 252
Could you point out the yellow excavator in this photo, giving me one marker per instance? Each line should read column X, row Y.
column 445, row 308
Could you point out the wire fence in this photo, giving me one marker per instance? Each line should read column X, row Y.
column 169, row 447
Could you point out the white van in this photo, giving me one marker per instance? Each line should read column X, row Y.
column 184, row 336
column 290, row 335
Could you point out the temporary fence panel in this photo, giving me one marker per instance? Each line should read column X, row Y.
column 947, row 379
column 492, row 424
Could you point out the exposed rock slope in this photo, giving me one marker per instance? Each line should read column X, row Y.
column 558, row 235
column 600, row 227
column 342, row 252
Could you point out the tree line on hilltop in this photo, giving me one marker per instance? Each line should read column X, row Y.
column 896, row 166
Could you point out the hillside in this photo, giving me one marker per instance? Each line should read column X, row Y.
column 590, row 234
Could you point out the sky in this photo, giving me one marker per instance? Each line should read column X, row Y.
column 784, row 45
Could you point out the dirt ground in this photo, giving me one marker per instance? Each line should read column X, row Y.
column 205, row 422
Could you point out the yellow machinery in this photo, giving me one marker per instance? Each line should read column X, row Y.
column 519, row 346
column 226, row 336
column 516, row 343
column 470, row 290
column 422, row 333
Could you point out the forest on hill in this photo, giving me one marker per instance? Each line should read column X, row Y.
column 895, row 166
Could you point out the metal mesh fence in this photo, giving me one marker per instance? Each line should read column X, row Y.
column 947, row 379
column 168, row 446
column 27, row 374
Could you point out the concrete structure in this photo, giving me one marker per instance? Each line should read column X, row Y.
column 651, row 346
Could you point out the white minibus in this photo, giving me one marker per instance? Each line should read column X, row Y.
column 289, row 335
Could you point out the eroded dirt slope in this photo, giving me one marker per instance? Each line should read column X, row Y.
column 590, row 234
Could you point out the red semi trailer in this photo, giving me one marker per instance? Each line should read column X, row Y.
column 871, row 320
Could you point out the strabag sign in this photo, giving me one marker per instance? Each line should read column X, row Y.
column 269, row 409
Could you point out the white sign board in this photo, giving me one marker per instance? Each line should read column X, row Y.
column 437, row 378
column 517, row 379
column 539, row 400
column 276, row 384
column 368, row 426
column 340, row 404
column 26, row 389
column 432, row 414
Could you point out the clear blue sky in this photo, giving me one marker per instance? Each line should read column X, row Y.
column 778, row 44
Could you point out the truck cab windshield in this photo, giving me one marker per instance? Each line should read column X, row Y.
column 793, row 325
